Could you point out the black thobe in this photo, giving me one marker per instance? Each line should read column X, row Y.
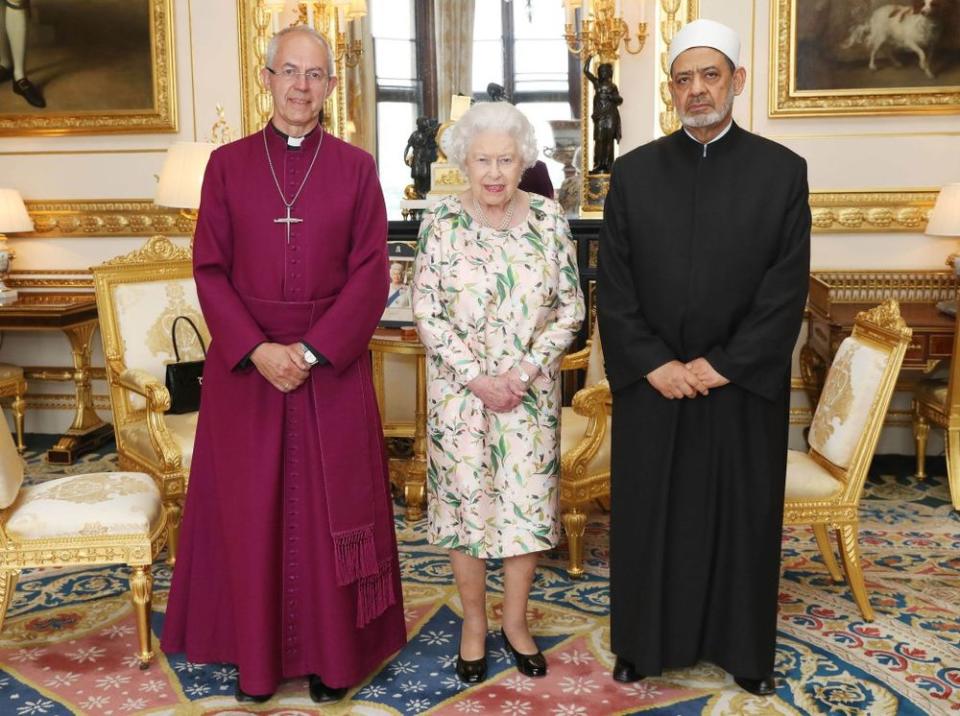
column 704, row 252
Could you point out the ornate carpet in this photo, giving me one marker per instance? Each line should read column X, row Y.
column 69, row 640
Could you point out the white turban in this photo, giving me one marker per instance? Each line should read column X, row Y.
column 706, row 33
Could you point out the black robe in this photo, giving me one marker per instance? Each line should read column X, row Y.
column 704, row 251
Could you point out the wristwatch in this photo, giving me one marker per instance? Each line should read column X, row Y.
column 309, row 356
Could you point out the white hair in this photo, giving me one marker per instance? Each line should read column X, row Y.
column 306, row 30
column 490, row 117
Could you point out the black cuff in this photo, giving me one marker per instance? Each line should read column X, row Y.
column 245, row 362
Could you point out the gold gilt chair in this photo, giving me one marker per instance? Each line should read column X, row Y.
column 825, row 483
column 138, row 297
column 584, row 447
column 936, row 401
column 78, row 521
column 13, row 385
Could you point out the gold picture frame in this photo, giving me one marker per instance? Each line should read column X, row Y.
column 820, row 61
column 154, row 32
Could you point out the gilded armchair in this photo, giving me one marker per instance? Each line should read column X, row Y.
column 936, row 401
column 78, row 521
column 138, row 297
column 824, row 484
column 12, row 384
column 584, row 448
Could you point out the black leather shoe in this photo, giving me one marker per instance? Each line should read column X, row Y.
column 5, row 73
column 625, row 672
column 323, row 694
column 759, row 687
column 245, row 698
column 534, row 665
column 26, row 89
column 471, row 672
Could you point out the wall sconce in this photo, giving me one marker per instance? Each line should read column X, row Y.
column 328, row 17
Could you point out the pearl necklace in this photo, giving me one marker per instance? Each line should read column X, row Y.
column 507, row 217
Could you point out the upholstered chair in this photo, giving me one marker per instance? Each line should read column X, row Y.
column 138, row 297
column 825, row 483
column 79, row 521
column 12, row 384
column 584, row 447
column 936, row 401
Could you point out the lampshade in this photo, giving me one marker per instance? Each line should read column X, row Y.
column 182, row 174
column 945, row 217
column 13, row 213
column 358, row 9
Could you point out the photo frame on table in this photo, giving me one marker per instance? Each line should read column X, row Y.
column 399, row 309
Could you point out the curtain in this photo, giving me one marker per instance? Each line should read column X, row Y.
column 454, row 25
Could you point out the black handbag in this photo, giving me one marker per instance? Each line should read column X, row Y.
column 184, row 378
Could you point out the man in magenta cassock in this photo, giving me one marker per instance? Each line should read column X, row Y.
column 288, row 561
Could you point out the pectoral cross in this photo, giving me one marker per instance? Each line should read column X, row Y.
column 288, row 220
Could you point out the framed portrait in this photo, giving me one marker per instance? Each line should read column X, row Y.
column 856, row 57
column 399, row 309
column 92, row 67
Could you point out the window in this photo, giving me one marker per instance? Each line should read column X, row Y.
column 399, row 92
column 519, row 47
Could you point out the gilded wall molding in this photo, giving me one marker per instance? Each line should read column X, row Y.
column 103, row 217
column 675, row 14
column 871, row 211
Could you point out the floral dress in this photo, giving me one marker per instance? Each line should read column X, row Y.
column 484, row 300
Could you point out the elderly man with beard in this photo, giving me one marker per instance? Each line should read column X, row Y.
column 704, row 257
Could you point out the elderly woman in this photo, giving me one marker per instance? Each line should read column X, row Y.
column 497, row 301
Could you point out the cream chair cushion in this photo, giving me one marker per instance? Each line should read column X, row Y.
column 8, row 371
column 182, row 429
column 595, row 368
column 145, row 312
column 849, row 395
column 572, row 428
column 932, row 391
column 95, row 504
column 806, row 480
column 11, row 469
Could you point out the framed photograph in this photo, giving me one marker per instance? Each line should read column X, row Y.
column 855, row 57
column 91, row 67
column 399, row 309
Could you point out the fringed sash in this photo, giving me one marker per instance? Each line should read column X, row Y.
column 352, row 456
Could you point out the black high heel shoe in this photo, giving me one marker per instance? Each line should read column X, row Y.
column 533, row 665
column 471, row 672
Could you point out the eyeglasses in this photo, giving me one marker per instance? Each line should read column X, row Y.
column 290, row 75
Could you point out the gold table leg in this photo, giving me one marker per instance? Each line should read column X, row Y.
column 87, row 431
column 411, row 472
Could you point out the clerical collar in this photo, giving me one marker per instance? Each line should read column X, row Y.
column 717, row 138
column 294, row 142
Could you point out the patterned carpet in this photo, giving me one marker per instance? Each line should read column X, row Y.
column 69, row 640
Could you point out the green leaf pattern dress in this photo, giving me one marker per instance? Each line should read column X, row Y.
column 484, row 300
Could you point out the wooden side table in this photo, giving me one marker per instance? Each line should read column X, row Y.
column 408, row 474
column 837, row 296
column 76, row 316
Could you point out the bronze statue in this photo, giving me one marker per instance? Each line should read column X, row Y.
column 420, row 153
column 497, row 93
column 606, row 116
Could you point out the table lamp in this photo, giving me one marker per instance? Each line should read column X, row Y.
column 182, row 176
column 13, row 218
column 945, row 221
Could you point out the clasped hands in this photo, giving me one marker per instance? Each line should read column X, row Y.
column 282, row 365
column 503, row 393
column 685, row 380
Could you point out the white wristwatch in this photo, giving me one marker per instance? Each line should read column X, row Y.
column 309, row 356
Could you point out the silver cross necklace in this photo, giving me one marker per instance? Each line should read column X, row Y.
column 288, row 219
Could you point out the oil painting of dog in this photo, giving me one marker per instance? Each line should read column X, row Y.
column 852, row 44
